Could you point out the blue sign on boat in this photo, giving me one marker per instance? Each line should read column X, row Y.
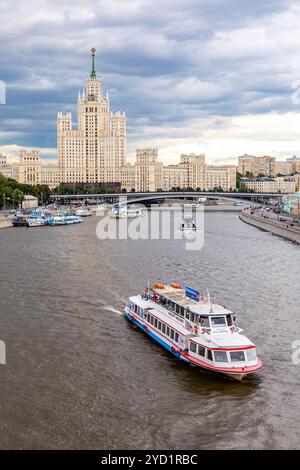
column 192, row 294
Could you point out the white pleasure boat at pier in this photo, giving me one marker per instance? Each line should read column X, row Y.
column 124, row 212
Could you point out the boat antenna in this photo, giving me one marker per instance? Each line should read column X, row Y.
column 209, row 302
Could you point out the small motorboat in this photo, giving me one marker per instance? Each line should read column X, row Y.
column 188, row 225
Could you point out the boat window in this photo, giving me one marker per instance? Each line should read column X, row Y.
column 152, row 320
column 172, row 334
column 176, row 337
column 148, row 317
column 181, row 311
column 159, row 325
column 204, row 321
column 201, row 351
column 168, row 331
column 220, row 356
column 209, row 355
column 218, row 321
column 192, row 317
column 237, row 356
column 229, row 320
column 177, row 308
column 187, row 315
column 163, row 328
column 155, row 322
column 193, row 347
column 251, row 354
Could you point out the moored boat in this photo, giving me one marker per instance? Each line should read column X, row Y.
column 83, row 212
column 57, row 220
column 124, row 212
column 189, row 326
column 36, row 222
column 19, row 220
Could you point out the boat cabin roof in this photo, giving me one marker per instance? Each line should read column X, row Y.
column 224, row 340
column 140, row 302
column 201, row 308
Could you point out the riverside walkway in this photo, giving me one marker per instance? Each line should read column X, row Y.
column 276, row 227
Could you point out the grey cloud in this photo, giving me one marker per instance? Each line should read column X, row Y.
column 172, row 62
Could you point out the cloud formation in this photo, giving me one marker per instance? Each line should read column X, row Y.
column 192, row 75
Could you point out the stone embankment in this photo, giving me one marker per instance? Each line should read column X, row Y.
column 278, row 228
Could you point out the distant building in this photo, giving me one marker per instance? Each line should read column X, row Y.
column 3, row 160
column 269, row 185
column 148, row 170
column 29, row 167
column 174, row 176
column 296, row 179
column 295, row 162
column 149, row 174
column 31, row 170
column 96, row 151
column 223, row 177
column 255, row 166
column 30, row 202
column 246, row 164
column 283, row 168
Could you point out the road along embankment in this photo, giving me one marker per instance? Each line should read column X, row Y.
column 280, row 229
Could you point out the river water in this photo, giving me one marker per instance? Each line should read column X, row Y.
column 79, row 375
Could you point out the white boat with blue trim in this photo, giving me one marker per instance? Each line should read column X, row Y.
column 185, row 322
column 124, row 212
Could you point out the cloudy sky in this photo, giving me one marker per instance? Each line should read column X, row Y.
column 214, row 76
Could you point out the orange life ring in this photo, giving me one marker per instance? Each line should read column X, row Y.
column 175, row 285
column 196, row 329
column 157, row 285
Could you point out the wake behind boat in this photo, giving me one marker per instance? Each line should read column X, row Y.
column 189, row 326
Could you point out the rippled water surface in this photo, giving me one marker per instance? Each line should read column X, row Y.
column 79, row 375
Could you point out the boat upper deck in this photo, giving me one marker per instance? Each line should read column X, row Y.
column 160, row 314
column 203, row 307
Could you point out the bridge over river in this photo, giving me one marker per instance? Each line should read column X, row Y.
column 133, row 197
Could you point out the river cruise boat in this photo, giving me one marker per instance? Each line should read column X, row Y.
column 192, row 328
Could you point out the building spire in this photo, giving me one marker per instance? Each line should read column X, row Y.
column 93, row 72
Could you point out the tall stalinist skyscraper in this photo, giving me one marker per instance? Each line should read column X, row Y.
column 97, row 150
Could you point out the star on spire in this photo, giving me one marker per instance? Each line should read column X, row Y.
column 93, row 72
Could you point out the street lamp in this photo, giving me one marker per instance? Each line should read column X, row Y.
column 9, row 199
